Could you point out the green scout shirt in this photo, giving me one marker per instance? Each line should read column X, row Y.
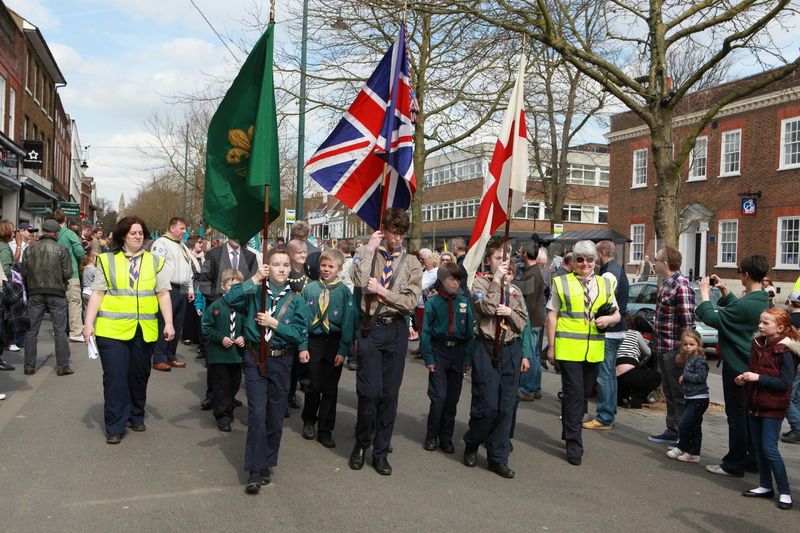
column 292, row 328
column 527, row 341
column 341, row 313
column 217, row 321
column 735, row 319
column 436, row 325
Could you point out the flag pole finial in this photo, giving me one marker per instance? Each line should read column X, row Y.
column 272, row 11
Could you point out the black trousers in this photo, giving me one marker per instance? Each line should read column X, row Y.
column 577, row 380
column 226, row 378
column 323, row 389
column 191, row 325
column 444, row 391
column 741, row 454
column 636, row 384
column 299, row 371
column 381, row 363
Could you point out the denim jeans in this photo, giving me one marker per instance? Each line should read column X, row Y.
column 38, row 304
column 531, row 381
column 765, row 433
column 607, row 383
column 690, row 426
column 793, row 413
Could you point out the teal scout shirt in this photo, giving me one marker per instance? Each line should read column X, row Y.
column 341, row 313
column 292, row 328
column 436, row 325
column 527, row 341
column 217, row 321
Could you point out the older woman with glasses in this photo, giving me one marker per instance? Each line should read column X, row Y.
column 577, row 315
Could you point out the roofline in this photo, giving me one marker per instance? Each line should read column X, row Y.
column 40, row 44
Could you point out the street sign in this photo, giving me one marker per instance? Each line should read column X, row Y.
column 558, row 229
column 749, row 206
column 289, row 216
column 70, row 209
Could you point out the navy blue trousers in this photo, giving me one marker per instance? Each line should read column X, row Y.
column 323, row 390
column 493, row 391
column 126, row 371
column 266, row 404
column 577, row 380
column 444, row 390
column 381, row 361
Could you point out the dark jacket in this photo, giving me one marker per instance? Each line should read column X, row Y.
column 217, row 323
column 695, row 377
column 620, row 292
column 736, row 319
column 532, row 288
column 217, row 260
column 46, row 267
column 775, row 362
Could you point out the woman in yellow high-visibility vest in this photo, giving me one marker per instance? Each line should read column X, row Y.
column 130, row 287
column 576, row 338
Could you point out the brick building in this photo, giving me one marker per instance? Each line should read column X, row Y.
column 741, row 190
column 11, row 83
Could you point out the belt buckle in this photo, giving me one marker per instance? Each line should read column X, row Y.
column 451, row 344
column 277, row 353
column 382, row 320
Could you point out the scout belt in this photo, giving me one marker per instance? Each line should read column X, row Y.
column 488, row 339
column 385, row 320
column 448, row 343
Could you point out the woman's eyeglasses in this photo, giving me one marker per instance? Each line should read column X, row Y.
column 580, row 259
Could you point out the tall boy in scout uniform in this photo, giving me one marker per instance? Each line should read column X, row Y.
column 285, row 323
column 495, row 382
column 447, row 341
column 389, row 294
column 330, row 333
column 224, row 326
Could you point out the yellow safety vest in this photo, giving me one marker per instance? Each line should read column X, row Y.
column 123, row 308
column 577, row 339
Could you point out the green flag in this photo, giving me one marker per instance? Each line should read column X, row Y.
column 242, row 150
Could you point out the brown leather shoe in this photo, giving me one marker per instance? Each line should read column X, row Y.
column 177, row 364
column 164, row 367
column 65, row 371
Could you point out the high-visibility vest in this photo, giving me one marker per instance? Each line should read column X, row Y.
column 123, row 308
column 577, row 339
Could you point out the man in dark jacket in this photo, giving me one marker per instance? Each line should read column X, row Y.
column 736, row 320
column 47, row 268
column 532, row 286
column 607, row 377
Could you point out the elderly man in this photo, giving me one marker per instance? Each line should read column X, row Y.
column 576, row 339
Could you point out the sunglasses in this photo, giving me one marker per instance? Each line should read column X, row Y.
column 579, row 259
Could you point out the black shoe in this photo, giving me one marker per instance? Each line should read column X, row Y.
column 253, row 485
column 266, row 476
column 357, row 457
column 205, row 405
column 470, row 456
column 308, row 431
column 751, row 494
column 326, row 440
column 5, row 366
column 391, row 449
column 447, row 447
column 537, row 395
column 501, row 470
column 430, row 443
column 224, row 426
column 785, row 506
column 574, row 461
column 137, row 426
column 381, row 466
column 113, row 439
column 304, row 385
column 236, row 403
column 293, row 403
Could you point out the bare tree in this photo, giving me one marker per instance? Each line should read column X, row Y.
column 646, row 32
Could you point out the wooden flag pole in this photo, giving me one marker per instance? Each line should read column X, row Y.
column 370, row 298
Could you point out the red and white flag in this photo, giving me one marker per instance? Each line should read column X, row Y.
column 508, row 174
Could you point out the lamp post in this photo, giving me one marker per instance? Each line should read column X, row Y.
column 301, row 127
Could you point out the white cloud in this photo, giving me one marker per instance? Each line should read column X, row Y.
column 67, row 57
column 35, row 12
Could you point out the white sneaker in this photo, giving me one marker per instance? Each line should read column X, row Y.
column 13, row 348
column 674, row 453
column 689, row 458
column 76, row 338
column 2, row 396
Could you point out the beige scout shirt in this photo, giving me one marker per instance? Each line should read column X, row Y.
column 486, row 297
column 162, row 279
column 402, row 298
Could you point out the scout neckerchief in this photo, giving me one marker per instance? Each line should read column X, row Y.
column 388, row 270
column 447, row 297
column 587, row 299
column 135, row 260
column 233, row 324
column 324, row 302
column 273, row 306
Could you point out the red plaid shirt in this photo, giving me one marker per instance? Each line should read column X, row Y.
column 675, row 307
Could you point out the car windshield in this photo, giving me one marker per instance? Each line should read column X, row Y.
column 715, row 294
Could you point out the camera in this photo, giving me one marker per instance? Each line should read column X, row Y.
column 712, row 281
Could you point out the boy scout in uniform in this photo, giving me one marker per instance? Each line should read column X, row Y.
column 267, row 392
column 447, row 341
column 495, row 381
column 389, row 294
column 330, row 333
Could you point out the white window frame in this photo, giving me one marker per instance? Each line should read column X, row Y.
column 2, row 104
column 704, row 175
column 634, row 184
column 12, row 111
column 722, row 172
column 782, row 141
column 720, row 242
column 632, row 259
column 779, row 264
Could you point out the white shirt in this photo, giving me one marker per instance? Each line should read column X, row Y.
column 177, row 259
column 239, row 255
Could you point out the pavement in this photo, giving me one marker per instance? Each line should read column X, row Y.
column 58, row 474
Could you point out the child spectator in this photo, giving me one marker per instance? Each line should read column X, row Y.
column 793, row 412
column 773, row 360
column 88, row 270
column 223, row 326
column 695, row 393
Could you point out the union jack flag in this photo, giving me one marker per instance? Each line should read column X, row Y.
column 376, row 132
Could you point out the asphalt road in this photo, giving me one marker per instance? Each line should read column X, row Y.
column 58, row 474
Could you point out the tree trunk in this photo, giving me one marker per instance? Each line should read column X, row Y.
column 667, row 215
column 420, row 153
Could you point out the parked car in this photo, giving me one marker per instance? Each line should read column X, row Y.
column 642, row 300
